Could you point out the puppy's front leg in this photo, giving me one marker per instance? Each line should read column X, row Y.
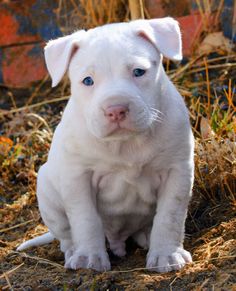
column 86, row 226
column 166, row 250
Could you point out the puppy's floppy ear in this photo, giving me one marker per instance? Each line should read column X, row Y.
column 164, row 33
column 58, row 54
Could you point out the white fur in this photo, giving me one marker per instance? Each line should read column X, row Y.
column 101, row 181
column 40, row 240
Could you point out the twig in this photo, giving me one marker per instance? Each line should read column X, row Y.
column 229, row 189
column 16, row 226
column 33, row 95
column 110, row 9
column 203, row 284
column 213, row 60
column 212, row 67
column 39, row 260
column 201, row 63
column 12, row 99
column 229, row 95
column 184, row 68
column 142, row 8
column 203, row 15
column 92, row 12
column 195, row 68
column 8, row 282
column 170, row 285
column 75, row 7
column 34, row 105
column 219, row 10
column 11, row 271
column 153, row 268
column 41, row 119
column 208, row 90
column 228, row 160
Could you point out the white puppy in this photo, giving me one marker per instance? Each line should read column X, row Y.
column 121, row 160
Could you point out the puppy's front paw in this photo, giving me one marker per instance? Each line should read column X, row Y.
column 167, row 259
column 97, row 261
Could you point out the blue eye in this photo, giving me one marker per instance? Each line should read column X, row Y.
column 138, row 72
column 88, row 81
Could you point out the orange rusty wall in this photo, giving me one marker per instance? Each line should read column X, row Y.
column 24, row 28
column 26, row 25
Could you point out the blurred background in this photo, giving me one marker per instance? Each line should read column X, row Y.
column 26, row 25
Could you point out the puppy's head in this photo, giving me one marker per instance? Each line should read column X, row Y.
column 115, row 73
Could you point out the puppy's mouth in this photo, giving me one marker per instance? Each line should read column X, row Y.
column 121, row 132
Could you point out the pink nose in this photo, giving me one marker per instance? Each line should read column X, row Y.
column 116, row 113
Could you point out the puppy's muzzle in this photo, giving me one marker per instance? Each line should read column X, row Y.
column 116, row 113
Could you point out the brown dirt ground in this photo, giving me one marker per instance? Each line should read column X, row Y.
column 41, row 268
column 210, row 237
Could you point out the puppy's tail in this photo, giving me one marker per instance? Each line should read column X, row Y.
column 37, row 241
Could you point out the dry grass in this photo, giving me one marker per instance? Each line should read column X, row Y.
column 211, row 100
column 207, row 82
column 91, row 13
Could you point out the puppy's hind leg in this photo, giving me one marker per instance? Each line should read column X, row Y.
column 142, row 237
column 52, row 211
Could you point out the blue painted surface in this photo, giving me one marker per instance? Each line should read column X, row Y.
column 227, row 20
column 36, row 51
column 39, row 21
column 26, row 26
column 47, row 26
column 229, row 3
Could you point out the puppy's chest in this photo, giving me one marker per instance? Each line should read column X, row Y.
column 126, row 190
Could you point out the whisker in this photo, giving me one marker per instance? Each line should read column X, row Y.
column 156, row 116
column 156, row 119
column 152, row 109
column 157, row 113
